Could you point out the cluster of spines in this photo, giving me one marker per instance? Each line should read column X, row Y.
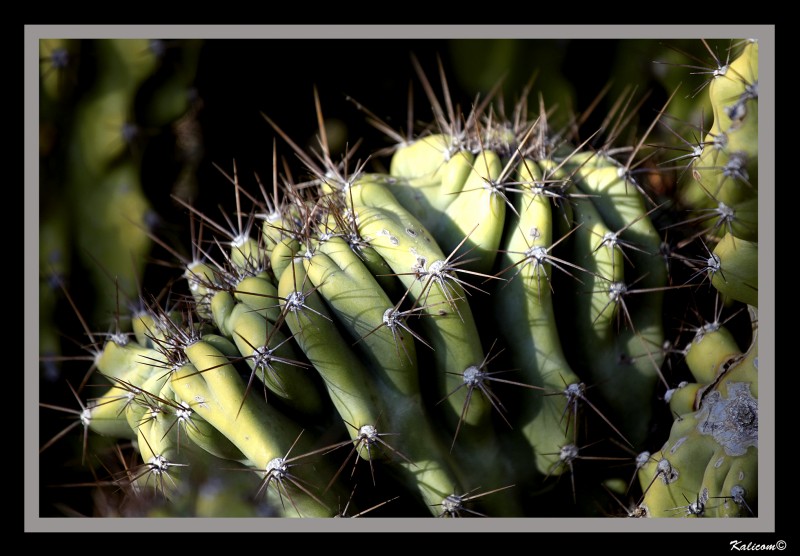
column 709, row 464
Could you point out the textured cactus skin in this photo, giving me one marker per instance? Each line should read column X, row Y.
column 725, row 175
column 511, row 357
column 712, row 452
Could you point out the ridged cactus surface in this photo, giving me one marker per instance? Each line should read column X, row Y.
column 503, row 315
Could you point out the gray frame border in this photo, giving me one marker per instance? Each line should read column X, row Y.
column 767, row 47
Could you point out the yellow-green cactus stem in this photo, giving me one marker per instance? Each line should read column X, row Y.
column 407, row 246
column 633, row 355
column 170, row 460
column 712, row 347
column 460, row 197
column 202, row 280
column 282, row 255
column 146, row 329
column 163, row 469
column 370, row 408
column 342, row 371
column 420, row 168
column 601, row 312
column 205, row 436
column 342, row 223
column 734, row 99
column 684, row 397
column 525, row 315
column 477, row 212
column 107, row 413
column 199, row 432
column 225, row 345
column 727, row 197
column 146, row 404
column 712, row 451
column 260, row 294
column 726, row 173
column 735, row 273
column 424, row 157
column 360, row 305
column 262, row 434
column 115, row 210
column 100, row 125
column 222, row 305
column 247, row 256
column 101, row 118
column 120, row 360
column 595, row 246
column 270, row 357
column 278, row 225
column 127, row 61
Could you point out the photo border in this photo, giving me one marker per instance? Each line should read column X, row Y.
column 765, row 522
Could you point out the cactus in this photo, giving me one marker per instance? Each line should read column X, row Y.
column 102, row 102
column 709, row 464
column 472, row 327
